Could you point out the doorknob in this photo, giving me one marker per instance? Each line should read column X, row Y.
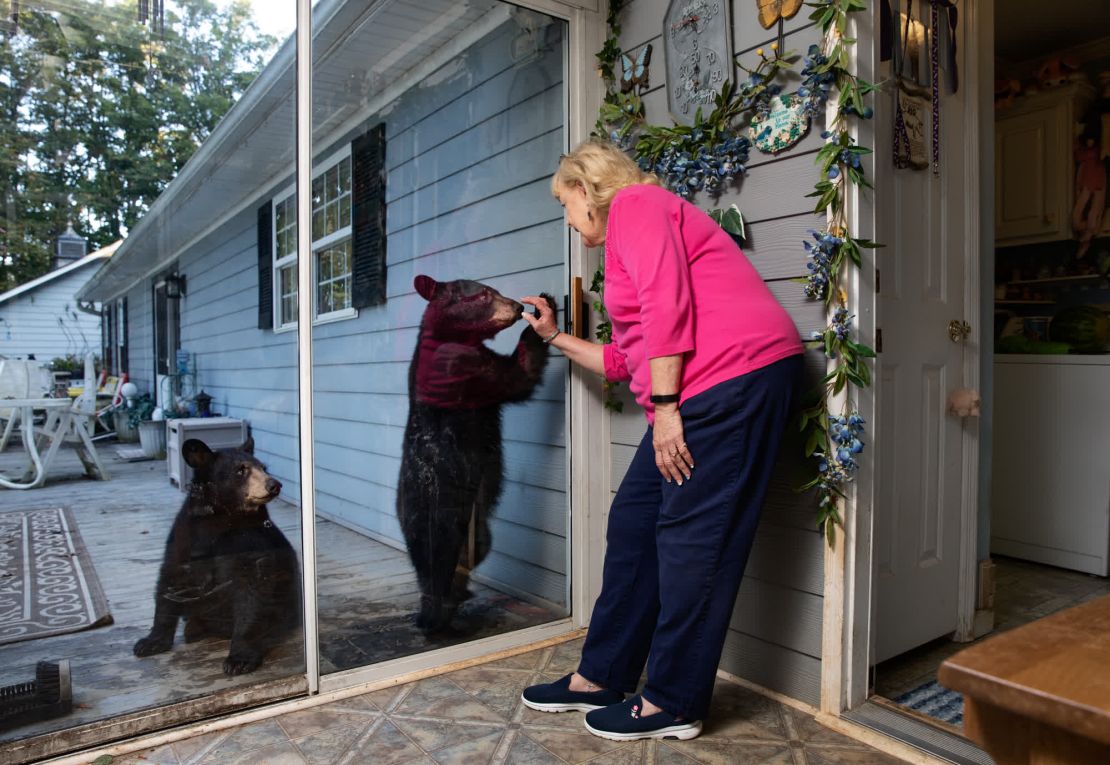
column 958, row 330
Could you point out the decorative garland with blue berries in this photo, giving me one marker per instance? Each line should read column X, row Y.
column 710, row 155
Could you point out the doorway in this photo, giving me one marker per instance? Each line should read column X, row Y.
column 1029, row 269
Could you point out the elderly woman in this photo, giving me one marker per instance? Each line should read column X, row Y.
column 714, row 360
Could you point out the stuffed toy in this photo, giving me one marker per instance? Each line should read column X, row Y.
column 1058, row 71
column 964, row 402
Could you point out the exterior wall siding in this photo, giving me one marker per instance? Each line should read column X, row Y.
column 467, row 162
column 775, row 637
column 45, row 321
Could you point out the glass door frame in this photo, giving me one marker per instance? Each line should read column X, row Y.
column 587, row 452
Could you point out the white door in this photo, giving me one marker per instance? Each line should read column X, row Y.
column 922, row 222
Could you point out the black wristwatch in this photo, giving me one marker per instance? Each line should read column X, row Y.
column 669, row 398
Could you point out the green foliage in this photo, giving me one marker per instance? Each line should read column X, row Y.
column 141, row 410
column 98, row 113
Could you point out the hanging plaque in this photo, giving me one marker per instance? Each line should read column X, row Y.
column 782, row 127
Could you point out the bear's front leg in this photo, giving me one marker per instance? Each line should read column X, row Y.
column 160, row 637
column 247, row 644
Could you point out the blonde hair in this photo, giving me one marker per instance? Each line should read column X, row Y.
column 602, row 169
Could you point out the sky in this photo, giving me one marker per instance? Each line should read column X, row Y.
column 275, row 17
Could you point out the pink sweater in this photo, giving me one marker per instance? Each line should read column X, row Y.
column 675, row 282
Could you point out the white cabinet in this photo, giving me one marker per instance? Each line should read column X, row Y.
column 217, row 432
column 1034, row 165
column 1050, row 487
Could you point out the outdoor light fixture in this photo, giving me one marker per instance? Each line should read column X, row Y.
column 175, row 286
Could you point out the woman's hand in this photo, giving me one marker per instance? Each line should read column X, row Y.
column 544, row 322
column 672, row 456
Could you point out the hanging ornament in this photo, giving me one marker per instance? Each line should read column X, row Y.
column 771, row 11
column 911, row 107
column 783, row 126
column 153, row 12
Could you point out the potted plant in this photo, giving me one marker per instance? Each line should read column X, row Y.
column 152, row 433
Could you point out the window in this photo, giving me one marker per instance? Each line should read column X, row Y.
column 285, row 260
column 348, row 239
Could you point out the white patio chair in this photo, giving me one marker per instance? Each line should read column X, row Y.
column 20, row 379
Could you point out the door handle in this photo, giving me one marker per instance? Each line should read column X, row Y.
column 958, row 330
column 577, row 309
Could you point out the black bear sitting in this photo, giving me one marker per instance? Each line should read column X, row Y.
column 227, row 570
column 451, row 461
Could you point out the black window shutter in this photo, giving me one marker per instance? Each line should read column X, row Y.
column 124, row 328
column 265, row 266
column 368, row 223
column 106, row 334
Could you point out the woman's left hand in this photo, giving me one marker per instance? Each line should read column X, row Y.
column 672, row 456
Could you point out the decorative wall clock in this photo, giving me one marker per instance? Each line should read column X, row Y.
column 697, row 46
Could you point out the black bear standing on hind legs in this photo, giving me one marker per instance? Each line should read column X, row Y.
column 451, row 461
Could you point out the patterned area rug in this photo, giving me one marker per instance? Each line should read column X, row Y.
column 936, row 701
column 47, row 582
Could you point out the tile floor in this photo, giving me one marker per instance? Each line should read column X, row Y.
column 474, row 716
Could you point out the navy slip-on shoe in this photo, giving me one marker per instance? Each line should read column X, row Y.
column 622, row 722
column 558, row 697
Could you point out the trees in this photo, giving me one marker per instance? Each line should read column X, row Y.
column 99, row 112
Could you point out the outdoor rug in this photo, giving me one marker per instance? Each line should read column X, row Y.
column 47, row 582
column 936, row 701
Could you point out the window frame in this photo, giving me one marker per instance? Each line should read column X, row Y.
column 345, row 233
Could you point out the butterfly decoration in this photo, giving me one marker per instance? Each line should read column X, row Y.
column 634, row 73
column 771, row 11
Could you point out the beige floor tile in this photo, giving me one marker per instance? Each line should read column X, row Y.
column 384, row 744
column 245, row 738
column 530, row 717
column 499, row 689
column 525, row 751
column 431, row 735
column 189, row 749
column 328, row 746
column 354, row 711
column 439, row 697
column 628, row 754
column 478, row 751
column 573, row 746
column 738, row 713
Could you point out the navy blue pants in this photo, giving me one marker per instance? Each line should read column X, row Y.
column 675, row 554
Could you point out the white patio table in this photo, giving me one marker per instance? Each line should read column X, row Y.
column 62, row 424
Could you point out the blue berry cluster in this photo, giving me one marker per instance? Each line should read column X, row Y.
column 708, row 168
column 845, row 157
column 817, row 81
column 841, row 326
column 821, row 253
column 842, row 323
column 846, row 433
column 756, row 96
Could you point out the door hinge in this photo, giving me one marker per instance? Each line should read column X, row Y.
column 877, row 282
column 878, row 340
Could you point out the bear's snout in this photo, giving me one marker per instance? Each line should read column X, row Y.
column 273, row 487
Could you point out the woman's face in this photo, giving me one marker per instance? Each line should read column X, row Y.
column 577, row 210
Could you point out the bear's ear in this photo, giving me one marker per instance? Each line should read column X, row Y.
column 197, row 454
column 426, row 286
column 248, row 446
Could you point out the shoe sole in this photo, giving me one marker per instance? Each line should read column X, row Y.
column 554, row 707
column 681, row 732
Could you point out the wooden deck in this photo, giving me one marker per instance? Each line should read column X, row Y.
column 367, row 595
